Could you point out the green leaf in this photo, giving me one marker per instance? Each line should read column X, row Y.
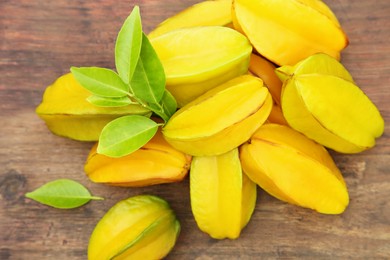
column 168, row 103
column 62, row 194
column 166, row 108
column 110, row 102
column 125, row 135
column 100, row 81
column 148, row 82
column 128, row 45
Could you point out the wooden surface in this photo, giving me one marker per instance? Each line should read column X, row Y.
column 41, row 39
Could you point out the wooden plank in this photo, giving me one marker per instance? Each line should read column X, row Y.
column 40, row 40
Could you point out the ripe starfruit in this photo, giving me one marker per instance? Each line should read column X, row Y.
column 198, row 59
column 265, row 70
column 67, row 112
column 276, row 116
column 222, row 196
column 221, row 119
column 140, row 227
column 206, row 13
column 320, row 100
column 295, row 169
column 287, row 31
column 155, row 163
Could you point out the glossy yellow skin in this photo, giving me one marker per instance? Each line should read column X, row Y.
column 221, row 119
column 320, row 100
column 222, row 196
column 287, row 31
column 155, row 163
column 206, row 13
column 198, row 59
column 140, row 227
column 67, row 113
column 294, row 169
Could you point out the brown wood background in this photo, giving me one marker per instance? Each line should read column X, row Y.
column 41, row 39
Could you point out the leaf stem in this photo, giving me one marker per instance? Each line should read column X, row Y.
column 96, row 198
column 159, row 111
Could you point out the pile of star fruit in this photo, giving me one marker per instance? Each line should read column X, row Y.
column 260, row 93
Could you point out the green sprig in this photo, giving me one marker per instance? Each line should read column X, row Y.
column 140, row 79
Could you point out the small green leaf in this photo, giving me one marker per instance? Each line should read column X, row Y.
column 166, row 108
column 62, row 194
column 128, row 45
column 100, row 81
column 168, row 103
column 110, row 102
column 125, row 135
column 148, row 82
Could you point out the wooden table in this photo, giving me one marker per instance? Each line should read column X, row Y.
column 41, row 39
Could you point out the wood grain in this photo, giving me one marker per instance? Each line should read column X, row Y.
column 41, row 39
